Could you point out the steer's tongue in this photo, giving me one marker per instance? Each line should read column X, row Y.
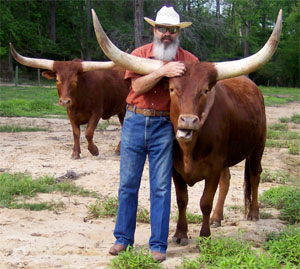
column 184, row 134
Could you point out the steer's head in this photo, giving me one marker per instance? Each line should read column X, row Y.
column 65, row 72
column 191, row 99
column 66, row 75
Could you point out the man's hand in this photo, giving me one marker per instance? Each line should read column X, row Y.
column 173, row 69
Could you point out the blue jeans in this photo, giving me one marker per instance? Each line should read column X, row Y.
column 142, row 136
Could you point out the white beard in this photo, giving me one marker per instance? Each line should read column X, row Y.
column 165, row 52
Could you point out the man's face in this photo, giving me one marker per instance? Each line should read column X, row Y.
column 166, row 35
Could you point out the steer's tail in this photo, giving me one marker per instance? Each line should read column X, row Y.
column 247, row 186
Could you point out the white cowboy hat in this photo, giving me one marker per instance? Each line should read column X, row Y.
column 168, row 17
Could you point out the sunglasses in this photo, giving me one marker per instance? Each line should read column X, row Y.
column 171, row 30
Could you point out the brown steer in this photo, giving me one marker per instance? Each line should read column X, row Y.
column 87, row 93
column 219, row 120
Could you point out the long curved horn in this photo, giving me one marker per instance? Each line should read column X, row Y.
column 250, row 64
column 224, row 69
column 136, row 64
column 48, row 64
column 90, row 65
column 32, row 62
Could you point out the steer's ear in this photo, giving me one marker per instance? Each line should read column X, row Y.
column 49, row 74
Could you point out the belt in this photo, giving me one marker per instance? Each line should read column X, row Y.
column 147, row 112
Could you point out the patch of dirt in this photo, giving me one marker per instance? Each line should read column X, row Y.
column 64, row 239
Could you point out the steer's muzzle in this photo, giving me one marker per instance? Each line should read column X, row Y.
column 65, row 101
column 186, row 125
column 187, row 121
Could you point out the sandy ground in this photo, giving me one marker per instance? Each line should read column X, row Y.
column 63, row 239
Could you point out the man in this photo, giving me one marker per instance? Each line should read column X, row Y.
column 147, row 130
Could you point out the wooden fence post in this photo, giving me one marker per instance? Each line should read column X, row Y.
column 39, row 76
column 16, row 75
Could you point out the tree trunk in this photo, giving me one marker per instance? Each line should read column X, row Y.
column 217, row 36
column 246, row 42
column 52, row 20
column 138, row 22
column 88, row 31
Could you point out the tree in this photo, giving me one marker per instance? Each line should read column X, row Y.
column 138, row 22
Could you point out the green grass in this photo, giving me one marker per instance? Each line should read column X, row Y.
column 223, row 252
column 281, row 250
column 143, row 215
column 285, row 246
column 17, row 129
column 279, row 136
column 193, row 218
column 108, row 207
column 16, row 188
column 286, row 199
column 104, row 207
column 29, row 102
column 276, row 176
column 279, row 95
column 295, row 119
column 134, row 259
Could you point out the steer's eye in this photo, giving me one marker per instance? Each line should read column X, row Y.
column 206, row 91
column 171, row 89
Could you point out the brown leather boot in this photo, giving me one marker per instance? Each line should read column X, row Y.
column 115, row 249
column 158, row 256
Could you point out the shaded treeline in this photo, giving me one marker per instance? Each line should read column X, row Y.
column 222, row 30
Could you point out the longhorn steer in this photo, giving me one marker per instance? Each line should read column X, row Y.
column 87, row 93
column 216, row 127
column 219, row 120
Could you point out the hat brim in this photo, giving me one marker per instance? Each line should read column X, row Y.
column 181, row 25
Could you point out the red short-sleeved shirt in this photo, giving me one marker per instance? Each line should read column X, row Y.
column 157, row 98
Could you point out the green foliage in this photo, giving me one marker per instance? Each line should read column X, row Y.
column 285, row 198
column 279, row 95
column 296, row 118
column 143, row 215
column 26, row 25
column 282, row 250
column 279, row 136
column 285, row 246
column 17, row 187
column 194, row 218
column 108, row 207
column 226, row 252
column 133, row 259
column 277, row 176
column 104, row 207
column 29, row 101
column 16, row 129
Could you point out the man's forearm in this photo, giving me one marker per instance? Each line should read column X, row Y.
column 145, row 83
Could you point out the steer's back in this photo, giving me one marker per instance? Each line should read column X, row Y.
column 103, row 91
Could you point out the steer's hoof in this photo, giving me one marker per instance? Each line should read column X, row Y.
column 180, row 241
column 215, row 224
column 75, row 156
column 253, row 218
column 94, row 151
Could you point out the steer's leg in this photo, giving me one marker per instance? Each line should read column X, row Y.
column 89, row 134
column 206, row 202
column 224, row 183
column 251, row 181
column 76, row 135
column 180, row 236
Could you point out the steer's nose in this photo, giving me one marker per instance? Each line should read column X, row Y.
column 186, row 121
column 65, row 101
